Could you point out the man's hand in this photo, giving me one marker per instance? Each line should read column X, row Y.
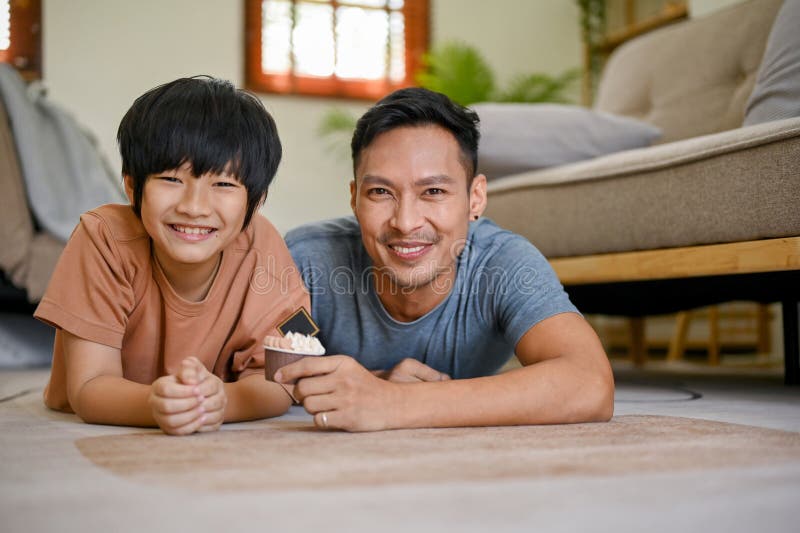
column 191, row 401
column 412, row 371
column 341, row 394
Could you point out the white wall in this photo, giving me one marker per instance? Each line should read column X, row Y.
column 99, row 55
column 515, row 36
column 699, row 8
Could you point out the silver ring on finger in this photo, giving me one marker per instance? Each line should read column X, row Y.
column 324, row 420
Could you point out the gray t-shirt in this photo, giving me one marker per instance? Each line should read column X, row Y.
column 503, row 287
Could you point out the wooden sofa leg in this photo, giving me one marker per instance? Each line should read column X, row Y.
column 713, row 335
column 677, row 344
column 764, row 340
column 791, row 342
column 638, row 349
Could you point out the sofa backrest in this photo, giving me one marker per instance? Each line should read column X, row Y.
column 691, row 78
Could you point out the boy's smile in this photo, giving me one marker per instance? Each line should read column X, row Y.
column 192, row 233
column 191, row 220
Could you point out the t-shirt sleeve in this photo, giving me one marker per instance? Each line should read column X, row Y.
column 89, row 294
column 314, row 257
column 303, row 252
column 524, row 289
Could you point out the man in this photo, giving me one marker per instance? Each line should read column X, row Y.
column 417, row 289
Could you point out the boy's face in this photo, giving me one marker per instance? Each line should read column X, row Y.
column 413, row 203
column 191, row 219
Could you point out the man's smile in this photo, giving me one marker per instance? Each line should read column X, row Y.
column 410, row 250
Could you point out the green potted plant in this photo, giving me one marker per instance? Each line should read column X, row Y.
column 462, row 73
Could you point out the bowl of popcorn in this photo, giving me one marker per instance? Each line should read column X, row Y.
column 280, row 351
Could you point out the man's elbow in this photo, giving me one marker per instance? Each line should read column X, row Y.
column 600, row 407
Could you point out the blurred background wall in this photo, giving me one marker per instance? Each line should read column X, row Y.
column 99, row 55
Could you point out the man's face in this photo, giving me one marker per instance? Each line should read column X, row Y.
column 413, row 204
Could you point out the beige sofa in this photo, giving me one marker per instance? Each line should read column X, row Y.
column 709, row 215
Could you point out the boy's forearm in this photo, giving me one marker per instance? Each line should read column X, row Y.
column 115, row 401
column 253, row 397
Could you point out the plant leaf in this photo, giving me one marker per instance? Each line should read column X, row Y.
column 458, row 71
column 539, row 88
column 337, row 121
column 337, row 127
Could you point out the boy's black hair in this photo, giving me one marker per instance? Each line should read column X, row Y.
column 207, row 123
column 415, row 106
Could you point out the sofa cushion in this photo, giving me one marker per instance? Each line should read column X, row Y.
column 777, row 92
column 727, row 187
column 691, row 78
column 520, row 137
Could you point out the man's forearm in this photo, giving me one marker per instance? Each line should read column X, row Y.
column 115, row 401
column 549, row 392
column 252, row 397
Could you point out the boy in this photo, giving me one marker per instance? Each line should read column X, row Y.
column 161, row 306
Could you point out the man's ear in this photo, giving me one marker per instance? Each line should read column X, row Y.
column 128, row 187
column 353, row 192
column 477, row 196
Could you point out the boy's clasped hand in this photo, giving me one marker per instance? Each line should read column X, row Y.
column 192, row 400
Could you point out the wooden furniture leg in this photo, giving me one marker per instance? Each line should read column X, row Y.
column 764, row 343
column 713, row 335
column 677, row 345
column 791, row 342
column 638, row 351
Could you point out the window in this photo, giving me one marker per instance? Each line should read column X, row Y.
column 352, row 48
column 20, row 36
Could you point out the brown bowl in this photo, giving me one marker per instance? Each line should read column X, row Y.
column 275, row 358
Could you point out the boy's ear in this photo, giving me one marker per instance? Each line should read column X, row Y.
column 128, row 187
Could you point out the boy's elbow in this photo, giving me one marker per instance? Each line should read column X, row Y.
column 57, row 403
column 86, row 415
column 282, row 406
column 74, row 405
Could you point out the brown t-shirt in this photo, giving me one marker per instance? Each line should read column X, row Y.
column 107, row 288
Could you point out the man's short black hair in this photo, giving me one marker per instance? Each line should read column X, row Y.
column 207, row 123
column 420, row 107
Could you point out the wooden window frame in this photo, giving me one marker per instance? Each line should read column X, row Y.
column 416, row 43
column 25, row 52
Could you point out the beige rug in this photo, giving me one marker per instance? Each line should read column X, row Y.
column 293, row 455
